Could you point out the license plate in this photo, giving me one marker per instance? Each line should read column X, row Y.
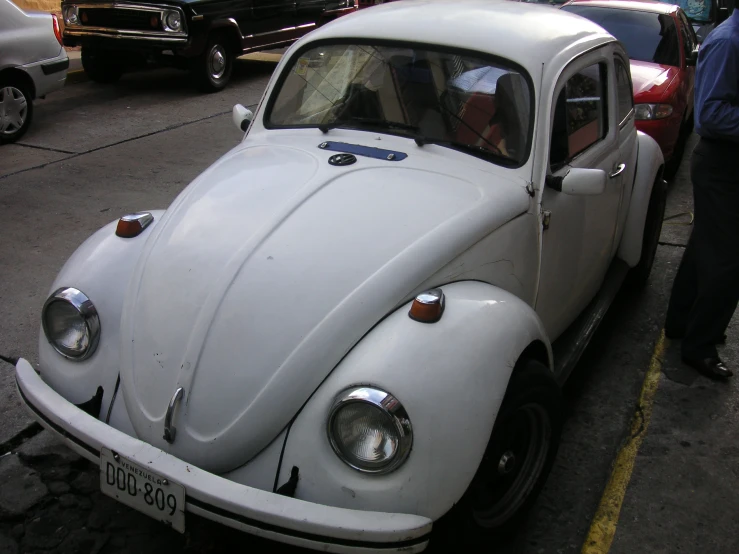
column 136, row 486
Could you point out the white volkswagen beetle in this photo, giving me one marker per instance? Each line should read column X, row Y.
column 356, row 323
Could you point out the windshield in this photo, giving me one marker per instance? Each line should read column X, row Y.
column 464, row 102
column 647, row 37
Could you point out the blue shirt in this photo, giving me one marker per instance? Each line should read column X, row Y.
column 716, row 104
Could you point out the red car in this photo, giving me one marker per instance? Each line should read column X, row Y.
column 662, row 48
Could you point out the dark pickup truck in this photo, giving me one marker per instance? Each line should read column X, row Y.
column 202, row 36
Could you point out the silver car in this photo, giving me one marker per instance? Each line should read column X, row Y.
column 32, row 64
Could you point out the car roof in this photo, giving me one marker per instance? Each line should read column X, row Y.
column 528, row 34
column 651, row 6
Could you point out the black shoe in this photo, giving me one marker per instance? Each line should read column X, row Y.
column 674, row 334
column 713, row 368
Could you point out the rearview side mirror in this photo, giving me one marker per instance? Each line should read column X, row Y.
column 579, row 182
column 242, row 117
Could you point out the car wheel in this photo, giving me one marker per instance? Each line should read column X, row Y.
column 212, row 69
column 515, row 466
column 100, row 66
column 16, row 110
column 639, row 275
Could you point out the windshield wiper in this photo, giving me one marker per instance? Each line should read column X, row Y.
column 368, row 121
column 473, row 149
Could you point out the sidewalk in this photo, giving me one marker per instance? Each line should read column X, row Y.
column 684, row 490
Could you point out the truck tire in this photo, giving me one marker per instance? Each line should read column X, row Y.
column 16, row 108
column 514, row 468
column 101, row 66
column 211, row 70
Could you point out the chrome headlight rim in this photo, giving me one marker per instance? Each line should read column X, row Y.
column 71, row 15
column 391, row 407
column 166, row 23
column 86, row 309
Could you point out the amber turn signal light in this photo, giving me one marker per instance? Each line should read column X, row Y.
column 428, row 306
column 132, row 225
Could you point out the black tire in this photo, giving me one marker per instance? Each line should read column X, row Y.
column 639, row 275
column 16, row 109
column 516, row 464
column 101, row 66
column 211, row 70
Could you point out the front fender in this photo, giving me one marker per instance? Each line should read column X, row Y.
column 450, row 376
column 101, row 268
column 649, row 167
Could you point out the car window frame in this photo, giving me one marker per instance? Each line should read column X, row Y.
column 273, row 92
column 685, row 22
column 600, row 55
column 617, row 58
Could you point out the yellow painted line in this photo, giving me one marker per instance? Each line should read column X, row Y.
column 603, row 527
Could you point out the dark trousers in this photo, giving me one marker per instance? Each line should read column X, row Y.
column 706, row 288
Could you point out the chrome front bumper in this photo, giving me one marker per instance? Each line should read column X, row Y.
column 254, row 511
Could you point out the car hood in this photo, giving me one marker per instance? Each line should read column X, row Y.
column 267, row 270
column 651, row 80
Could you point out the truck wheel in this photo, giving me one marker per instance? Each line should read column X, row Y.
column 100, row 66
column 639, row 275
column 212, row 69
column 16, row 109
column 515, row 465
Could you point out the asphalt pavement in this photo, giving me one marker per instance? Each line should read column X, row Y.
column 96, row 152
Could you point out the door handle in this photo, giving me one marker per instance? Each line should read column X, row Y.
column 620, row 168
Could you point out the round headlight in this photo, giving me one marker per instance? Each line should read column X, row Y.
column 369, row 430
column 70, row 14
column 71, row 323
column 173, row 21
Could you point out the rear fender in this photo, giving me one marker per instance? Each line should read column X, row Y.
column 450, row 376
column 101, row 268
column 649, row 168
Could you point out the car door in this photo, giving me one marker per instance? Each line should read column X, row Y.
column 270, row 17
column 577, row 240
column 309, row 11
column 627, row 140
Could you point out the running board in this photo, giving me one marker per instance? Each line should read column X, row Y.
column 569, row 347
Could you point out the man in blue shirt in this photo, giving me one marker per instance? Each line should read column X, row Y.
column 705, row 293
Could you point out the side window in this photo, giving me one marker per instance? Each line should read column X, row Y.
column 580, row 115
column 624, row 90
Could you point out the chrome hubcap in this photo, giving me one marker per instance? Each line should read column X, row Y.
column 13, row 110
column 217, row 62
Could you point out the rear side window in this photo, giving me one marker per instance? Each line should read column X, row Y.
column 625, row 91
column 581, row 115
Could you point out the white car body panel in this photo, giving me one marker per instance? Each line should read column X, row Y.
column 449, row 413
column 249, row 233
column 275, row 280
column 205, row 490
column 27, row 42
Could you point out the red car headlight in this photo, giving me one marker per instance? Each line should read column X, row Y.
column 652, row 111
